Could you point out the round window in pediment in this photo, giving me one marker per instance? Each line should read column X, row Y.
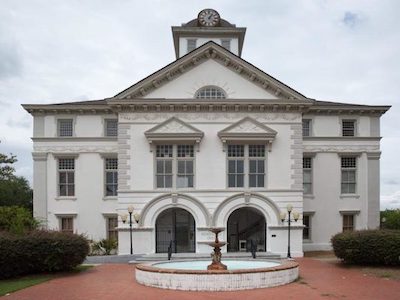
column 210, row 92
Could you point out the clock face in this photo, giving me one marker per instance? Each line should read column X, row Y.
column 208, row 17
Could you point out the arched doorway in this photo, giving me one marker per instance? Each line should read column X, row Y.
column 245, row 225
column 176, row 225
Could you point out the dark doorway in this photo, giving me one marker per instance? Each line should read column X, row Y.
column 245, row 225
column 176, row 225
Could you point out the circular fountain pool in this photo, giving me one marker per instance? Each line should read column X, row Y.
column 193, row 275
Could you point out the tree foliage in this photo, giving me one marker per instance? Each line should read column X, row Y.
column 390, row 219
column 6, row 166
column 17, row 220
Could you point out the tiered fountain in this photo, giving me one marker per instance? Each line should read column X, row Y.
column 216, row 256
column 199, row 275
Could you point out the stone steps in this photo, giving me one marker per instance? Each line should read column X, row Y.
column 202, row 256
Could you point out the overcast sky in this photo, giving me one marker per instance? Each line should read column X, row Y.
column 56, row 51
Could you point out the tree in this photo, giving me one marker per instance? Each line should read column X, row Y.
column 14, row 190
column 390, row 219
column 6, row 168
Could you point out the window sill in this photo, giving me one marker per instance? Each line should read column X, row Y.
column 307, row 241
column 65, row 198
column 107, row 198
column 345, row 196
column 308, row 196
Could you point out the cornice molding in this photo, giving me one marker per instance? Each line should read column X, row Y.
column 342, row 138
column 74, row 139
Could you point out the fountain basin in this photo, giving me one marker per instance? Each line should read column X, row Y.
column 194, row 276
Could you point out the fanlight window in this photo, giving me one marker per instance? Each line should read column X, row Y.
column 210, row 92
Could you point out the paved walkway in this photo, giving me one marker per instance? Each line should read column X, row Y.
column 319, row 280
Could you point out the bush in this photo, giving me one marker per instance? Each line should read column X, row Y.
column 16, row 220
column 368, row 247
column 390, row 219
column 103, row 247
column 40, row 251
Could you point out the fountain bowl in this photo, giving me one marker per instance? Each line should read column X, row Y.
column 193, row 274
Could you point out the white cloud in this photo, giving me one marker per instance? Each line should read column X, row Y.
column 391, row 201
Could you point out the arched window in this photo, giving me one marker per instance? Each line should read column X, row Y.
column 210, row 92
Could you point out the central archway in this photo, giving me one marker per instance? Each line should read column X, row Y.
column 246, row 225
column 176, row 225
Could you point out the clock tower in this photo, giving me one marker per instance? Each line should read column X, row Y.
column 208, row 26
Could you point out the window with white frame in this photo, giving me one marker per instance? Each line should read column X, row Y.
column 246, row 166
column 348, row 127
column 174, row 166
column 306, row 127
column 256, row 165
column 111, row 176
column 348, row 222
column 67, row 224
column 210, row 92
column 307, row 227
column 112, row 232
column 111, row 127
column 226, row 44
column 65, row 127
column 349, row 174
column 307, row 175
column 191, row 45
column 66, row 177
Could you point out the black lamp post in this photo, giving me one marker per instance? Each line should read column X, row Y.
column 124, row 217
column 289, row 209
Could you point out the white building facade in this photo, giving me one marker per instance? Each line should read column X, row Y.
column 209, row 140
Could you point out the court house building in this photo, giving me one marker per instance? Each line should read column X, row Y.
column 209, row 140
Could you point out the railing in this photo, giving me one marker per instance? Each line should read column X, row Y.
column 253, row 248
column 170, row 250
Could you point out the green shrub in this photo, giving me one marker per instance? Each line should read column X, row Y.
column 103, row 247
column 368, row 247
column 16, row 220
column 390, row 219
column 40, row 251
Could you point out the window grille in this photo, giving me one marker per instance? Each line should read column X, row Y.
column 306, row 127
column 348, row 128
column 111, row 175
column 210, row 92
column 65, row 127
column 349, row 180
column 66, row 176
column 307, row 175
column 111, row 127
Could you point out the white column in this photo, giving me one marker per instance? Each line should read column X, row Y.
column 40, row 187
column 373, row 190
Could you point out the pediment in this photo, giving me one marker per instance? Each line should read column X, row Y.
column 247, row 129
column 174, row 129
column 207, row 52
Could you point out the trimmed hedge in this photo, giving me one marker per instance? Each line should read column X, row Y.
column 368, row 247
column 40, row 251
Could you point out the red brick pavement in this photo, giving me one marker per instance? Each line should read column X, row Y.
column 319, row 280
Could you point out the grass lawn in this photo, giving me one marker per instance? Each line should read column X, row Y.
column 11, row 285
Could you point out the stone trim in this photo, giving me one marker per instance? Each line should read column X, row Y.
column 296, row 155
column 124, row 157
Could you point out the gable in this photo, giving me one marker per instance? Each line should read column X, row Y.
column 211, row 73
column 216, row 62
column 174, row 129
column 247, row 129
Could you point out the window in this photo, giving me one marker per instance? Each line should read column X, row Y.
column 65, row 127
column 256, row 165
column 210, row 92
column 306, row 127
column 67, row 224
column 307, row 227
column 66, row 177
column 348, row 223
column 348, row 127
column 174, row 166
column 191, row 45
column 307, row 175
column 111, row 176
column 226, row 44
column 112, row 232
column 111, row 128
column 236, row 165
column 349, row 167
column 246, row 165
